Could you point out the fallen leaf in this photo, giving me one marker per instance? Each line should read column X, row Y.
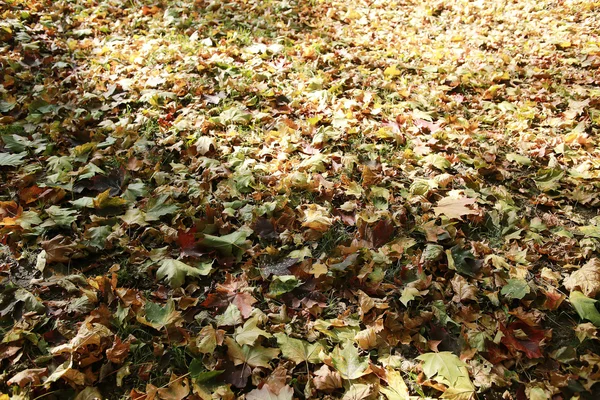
column 586, row 279
column 453, row 207
column 285, row 393
column 348, row 362
column 326, row 379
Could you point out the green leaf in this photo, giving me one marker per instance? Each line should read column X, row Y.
column 233, row 116
column 519, row 159
column 97, row 236
column 175, row 271
column 7, row 105
column 135, row 190
column 348, row 362
column 254, row 356
column 158, row 316
column 62, row 216
column 515, row 289
column 231, row 244
column 83, row 202
column 447, row 368
column 157, row 208
column 298, row 350
column 438, row 161
column 585, row 307
column 589, row 231
column 12, row 160
column 461, row 260
column 283, row 284
column 248, row 333
column 28, row 219
column 432, row 252
column 15, row 143
column 200, row 374
column 549, row 179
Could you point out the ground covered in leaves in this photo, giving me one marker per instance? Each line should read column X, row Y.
column 297, row 199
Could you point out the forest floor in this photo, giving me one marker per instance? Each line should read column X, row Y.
column 296, row 199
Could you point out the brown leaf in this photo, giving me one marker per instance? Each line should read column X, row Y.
column 265, row 393
column 463, row 290
column 9, row 213
column 178, row 389
column 586, row 279
column 327, row 380
column 58, row 249
column 28, row 376
column 455, row 207
column 118, row 352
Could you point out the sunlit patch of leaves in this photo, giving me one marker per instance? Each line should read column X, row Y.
column 289, row 199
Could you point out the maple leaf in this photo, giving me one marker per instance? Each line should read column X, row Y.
column 249, row 333
column 68, row 373
column 118, row 352
column 463, row 290
column 58, row 249
column 254, row 356
column 158, row 316
column 298, row 350
column 28, row 376
column 396, row 388
column 175, row 271
column 12, row 160
column 586, row 279
column 358, row 391
column 515, row 289
column 317, row 217
column 446, row 368
column 585, row 307
column 234, row 243
column 326, row 379
column 348, row 362
column 9, row 213
column 89, row 334
column 529, row 342
column 178, row 388
column 265, row 393
column 232, row 291
column 283, row 284
column 455, row 207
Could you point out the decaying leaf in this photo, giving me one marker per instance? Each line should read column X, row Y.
column 264, row 199
column 326, row 379
column 265, row 393
column 586, row 278
column 455, row 207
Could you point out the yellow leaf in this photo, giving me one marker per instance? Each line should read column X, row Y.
column 392, row 71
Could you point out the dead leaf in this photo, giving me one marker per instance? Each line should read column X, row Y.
column 326, row 379
column 586, row 279
column 455, row 207
column 463, row 290
column 28, row 376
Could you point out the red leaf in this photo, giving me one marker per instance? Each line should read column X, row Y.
column 528, row 341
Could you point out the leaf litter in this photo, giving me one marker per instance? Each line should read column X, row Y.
column 287, row 199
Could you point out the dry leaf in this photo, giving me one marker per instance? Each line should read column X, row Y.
column 327, row 379
column 453, row 207
column 586, row 279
